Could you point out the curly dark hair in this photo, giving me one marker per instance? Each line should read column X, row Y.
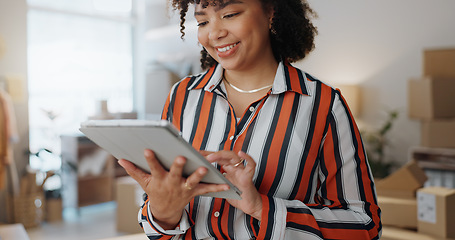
column 292, row 33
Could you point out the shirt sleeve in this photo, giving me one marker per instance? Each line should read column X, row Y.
column 154, row 231
column 345, row 206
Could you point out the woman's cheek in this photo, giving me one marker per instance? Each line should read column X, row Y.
column 202, row 37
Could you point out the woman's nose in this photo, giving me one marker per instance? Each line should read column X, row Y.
column 217, row 31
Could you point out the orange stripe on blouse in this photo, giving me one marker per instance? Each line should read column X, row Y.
column 202, row 122
column 332, row 183
column 321, row 116
column 278, row 139
column 206, row 78
column 178, row 103
column 295, row 83
column 331, row 233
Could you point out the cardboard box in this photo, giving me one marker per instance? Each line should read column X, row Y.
column 398, row 212
column 129, row 200
column 438, row 133
column 439, row 63
column 431, row 98
column 54, row 209
column 436, row 211
column 95, row 189
column 403, row 183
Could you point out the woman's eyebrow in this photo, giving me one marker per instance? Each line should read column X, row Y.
column 218, row 8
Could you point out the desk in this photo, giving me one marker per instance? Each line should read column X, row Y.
column 13, row 232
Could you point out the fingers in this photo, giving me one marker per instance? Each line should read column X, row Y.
column 174, row 176
column 224, row 158
column 161, row 183
column 208, row 188
column 205, row 153
column 195, row 178
column 250, row 163
column 156, row 169
column 136, row 173
column 194, row 187
column 245, row 166
column 175, row 173
column 242, row 160
column 231, row 159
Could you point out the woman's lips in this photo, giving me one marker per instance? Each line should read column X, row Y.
column 226, row 50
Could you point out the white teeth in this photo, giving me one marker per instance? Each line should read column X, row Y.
column 226, row 48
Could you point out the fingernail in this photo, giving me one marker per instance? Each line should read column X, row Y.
column 147, row 153
column 180, row 160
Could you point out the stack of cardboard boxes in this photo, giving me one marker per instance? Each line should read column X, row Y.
column 397, row 196
column 432, row 102
column 431, row 99
column 410, row 210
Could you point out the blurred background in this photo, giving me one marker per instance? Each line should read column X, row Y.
column 63, row 62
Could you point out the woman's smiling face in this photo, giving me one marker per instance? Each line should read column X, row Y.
column 236, row 33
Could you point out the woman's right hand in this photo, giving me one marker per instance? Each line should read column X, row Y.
column 168, row 191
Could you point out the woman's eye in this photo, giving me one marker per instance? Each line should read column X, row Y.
column 231, row 15
column 201, row 24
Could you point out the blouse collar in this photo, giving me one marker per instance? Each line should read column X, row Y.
column 287, row 78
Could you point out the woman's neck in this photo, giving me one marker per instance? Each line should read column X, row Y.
column 251, row 78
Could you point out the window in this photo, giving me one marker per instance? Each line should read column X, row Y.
column 80, row 53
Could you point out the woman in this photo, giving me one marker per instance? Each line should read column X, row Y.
column 285, row 139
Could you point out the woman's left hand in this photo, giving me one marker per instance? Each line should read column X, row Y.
column 240, row 173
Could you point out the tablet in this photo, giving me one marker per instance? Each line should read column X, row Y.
column 127, row 139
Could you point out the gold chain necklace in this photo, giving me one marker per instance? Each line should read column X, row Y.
column 247, row 91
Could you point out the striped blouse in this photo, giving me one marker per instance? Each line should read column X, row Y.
column 311, row 170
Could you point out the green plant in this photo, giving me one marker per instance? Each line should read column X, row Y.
column 375, row 144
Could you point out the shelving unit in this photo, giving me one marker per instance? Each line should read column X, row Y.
column 438, row 164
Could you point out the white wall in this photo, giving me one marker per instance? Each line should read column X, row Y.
column 13, row 29
column 379, row 44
